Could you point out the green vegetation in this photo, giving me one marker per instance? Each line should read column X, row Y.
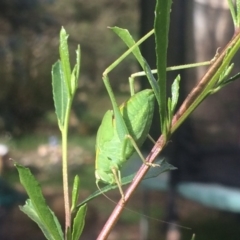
column 65, row 83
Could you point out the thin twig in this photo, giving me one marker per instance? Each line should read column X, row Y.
column 201, row 85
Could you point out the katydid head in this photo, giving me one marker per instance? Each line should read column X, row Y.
column 103, row 176
column 107, row 171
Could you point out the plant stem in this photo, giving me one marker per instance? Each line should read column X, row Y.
column 65, row 182
column 64, row 131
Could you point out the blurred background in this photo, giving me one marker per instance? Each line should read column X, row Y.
column 203, row 194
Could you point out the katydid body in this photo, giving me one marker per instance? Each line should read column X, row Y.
column 116, row 139
column 124, row 129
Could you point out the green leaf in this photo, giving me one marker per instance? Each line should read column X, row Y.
column 170, row 113
column 238, row 13
column 175, row 93
column 64, row 55
column 78, row 222
column 233, row 13
column 152, row 81
column 172, row 102
column 224, row 80
column 75, row 192
column 60, row 93
column 75, row 72
column 129, row 41
column 29, row 210
column 231, row 79
column 153, row 172
column 36, row 208
column 161, row 27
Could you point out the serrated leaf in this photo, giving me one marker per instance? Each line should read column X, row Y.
column 75, row 72
column 75, row 192
column 29, row 210
column 37, row 208
column 64, row 56
column 78, row 222
column 78, row 63
column 153, row 172
column 60, row 93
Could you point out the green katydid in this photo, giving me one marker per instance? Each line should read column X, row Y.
column 122, row 132
column 124, row 129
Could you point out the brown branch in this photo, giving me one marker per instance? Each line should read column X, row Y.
column 198, row 89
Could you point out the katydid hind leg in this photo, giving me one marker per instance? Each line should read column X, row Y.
column 117, row 176
column 151, row 139
column 125, row 144
column 121, row 192
column 130, row 138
